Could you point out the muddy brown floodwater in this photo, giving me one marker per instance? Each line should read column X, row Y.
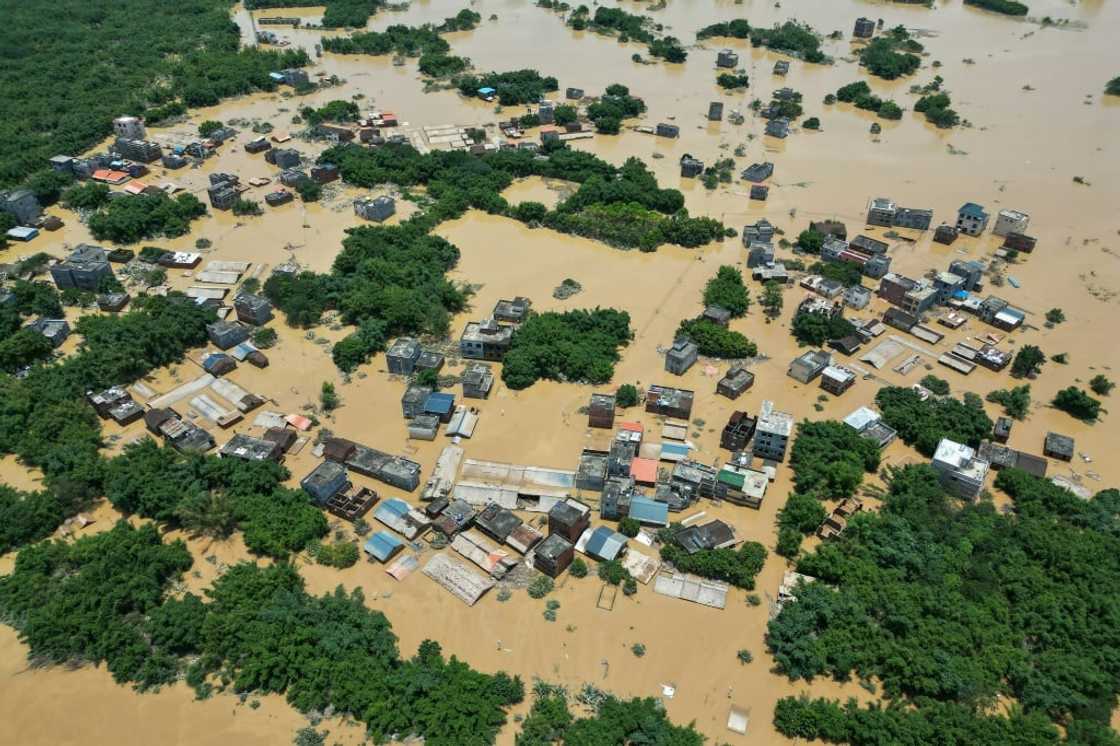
column 1032, row 96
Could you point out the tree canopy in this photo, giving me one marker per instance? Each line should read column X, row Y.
column 577, row 345
column 923, row 424
column 104, row 598
column 71, row 67
column 950, row 606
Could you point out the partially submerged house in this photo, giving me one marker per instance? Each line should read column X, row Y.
column 553, row 555
column 569, row 518
column 959, row 469
column 377, row 209
column 325, row 481
column 972, row 219
column 738, row 431
column 772, row 432
column 402, row 355
column 248, row 448
column 83, row 269
column 1058, row 446
column 737, row 380
column 681, row 356
column 669, row 401
column 808, row 365
column 485, row 340
column 478, row 380
column 600, row 412
column 604, row 544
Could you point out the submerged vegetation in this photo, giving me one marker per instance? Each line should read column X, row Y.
column 884, row 606
column 922, row 424
column 425, row 42
column 892, row 54
column 936, row 108
column 629, row 26
column 611, row 721
column 791, row 37
column 336, row 14
column 516, row 87
column 859, row 94
column 622, row 206
column 1006, row 7
column 46, row 422
column 105, row 598
column 572, row 346
column 63, row 87
column 145, row 216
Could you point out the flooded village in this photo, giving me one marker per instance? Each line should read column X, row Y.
column 877, row 253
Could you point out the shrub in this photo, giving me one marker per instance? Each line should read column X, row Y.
column 328, row 397
column 627, row 396
column 638, row 649
column 812, row 123
column 541, row 586
column 936, row 385
column 1016, row 401
column 1076, row 403
column 1101, row 385
column 578, row 568
column 629, row 527
column 744, row 656
column 728, row 290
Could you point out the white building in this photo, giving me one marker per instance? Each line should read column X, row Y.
column 1011, row 221
column 772, row 434
column 958, row 469
column 131, row 128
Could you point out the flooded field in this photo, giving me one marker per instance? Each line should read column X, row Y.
column 1033, row 97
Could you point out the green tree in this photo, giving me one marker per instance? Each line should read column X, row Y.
column 772, row 299
column 629, row 527
column 1055, row 316
column 936, row 385
column 627, row 396
column 1076, row 403
column 208, row 128
column 1016, row 401
column 810, row 240
column 1028, row 361
column 1101, row 385
column 728, row 290
column 328, row 398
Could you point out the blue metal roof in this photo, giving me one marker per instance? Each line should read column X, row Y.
column 392, row 508
column 439, row 403
column 383, row 545
column 675, row 448
column 972, row 210
column 486, row 90
column 649, row 511
column 605, row 543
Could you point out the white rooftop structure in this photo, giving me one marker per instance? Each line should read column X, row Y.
column 861, row 418
column 958, row 468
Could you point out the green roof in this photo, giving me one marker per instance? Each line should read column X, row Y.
column 733, row 478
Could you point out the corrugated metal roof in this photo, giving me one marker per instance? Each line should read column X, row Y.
column 605, row 543
column 649, row 511
column 383, row 545
column 439, row 403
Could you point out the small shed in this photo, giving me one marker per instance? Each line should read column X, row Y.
column 383, row 546
column 605, row 544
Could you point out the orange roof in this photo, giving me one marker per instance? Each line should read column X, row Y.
column 113, row 177
column 644, row 470
column 632, row 426
column 135, row 187
column 298, row 421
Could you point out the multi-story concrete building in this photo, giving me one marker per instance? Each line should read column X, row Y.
column 377, row 209
column 129, row 127
column 958, row 469
column 972, row 219
column 772, row 433
column 864, row 28
column 22, row 205
column 681, row 356
column 485, row 340
column 83, row 269
column 881, row 212
column 1011, row 221
column 144, row 151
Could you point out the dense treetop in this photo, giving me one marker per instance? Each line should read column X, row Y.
column 70, row 67
column 575, row 345
column 950, row 606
